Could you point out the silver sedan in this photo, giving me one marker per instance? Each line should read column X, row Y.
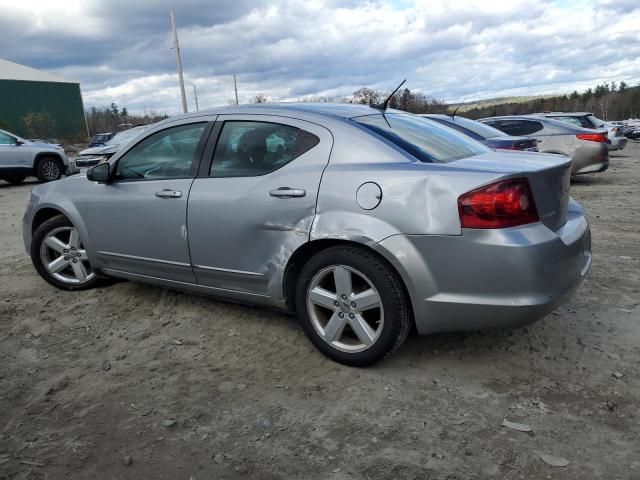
column 365, row 223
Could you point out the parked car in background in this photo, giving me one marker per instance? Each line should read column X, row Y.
column 100, row 139
column 491, row 137
column 94, row 155
column 615, row 137
column 21, row 158
column 366, row 223
column 587, row 148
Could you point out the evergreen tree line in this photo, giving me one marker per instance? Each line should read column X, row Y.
column 608, row 101
column 115, row 119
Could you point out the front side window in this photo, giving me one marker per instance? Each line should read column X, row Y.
column 165, row 154
column 6, row 139
column 427, row 141
column 249, row 149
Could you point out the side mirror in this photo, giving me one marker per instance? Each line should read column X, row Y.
column 99, row 173
column 19, row 142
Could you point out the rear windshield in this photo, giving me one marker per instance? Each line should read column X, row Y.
column 480, row 129
column 425, row 140
column 596, row 121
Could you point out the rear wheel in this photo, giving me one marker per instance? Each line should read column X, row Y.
column 49, row 169
column 59, row 256
column 352, row 306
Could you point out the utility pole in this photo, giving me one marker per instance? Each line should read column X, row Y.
column 235, row 86
column 176, row 46
column 195, row 94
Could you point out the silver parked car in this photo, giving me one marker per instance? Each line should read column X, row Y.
column 92, row 156
column 21, row 158
column 365, row 224
column 587, row 148
column 615, row 136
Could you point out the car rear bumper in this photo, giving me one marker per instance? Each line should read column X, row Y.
column 491, row 278
column 591, row 157
column 617, row 143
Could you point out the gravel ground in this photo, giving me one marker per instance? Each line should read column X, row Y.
column 132, row 381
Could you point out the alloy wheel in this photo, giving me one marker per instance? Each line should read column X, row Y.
column 50, row 170
column 345, row 308
column 64, row 256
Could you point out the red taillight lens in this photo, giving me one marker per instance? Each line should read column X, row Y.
column 503, row 204
column 592, row 137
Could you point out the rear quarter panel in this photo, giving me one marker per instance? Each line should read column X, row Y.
column 417, row 198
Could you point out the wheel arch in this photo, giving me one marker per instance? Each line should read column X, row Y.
column 40, row 156
column 43, row 215
column 299, row 258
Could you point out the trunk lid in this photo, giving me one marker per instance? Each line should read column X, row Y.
column 549, row 177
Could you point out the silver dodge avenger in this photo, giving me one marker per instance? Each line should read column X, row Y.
column 366, row 222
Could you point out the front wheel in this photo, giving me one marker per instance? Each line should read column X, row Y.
column 49, row 169
column 59, row 256
column 352, row 305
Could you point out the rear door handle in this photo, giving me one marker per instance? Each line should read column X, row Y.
column 166, row 193
column 286, row 192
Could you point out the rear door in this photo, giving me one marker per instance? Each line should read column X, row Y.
column 254, row 200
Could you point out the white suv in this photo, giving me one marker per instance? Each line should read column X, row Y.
column 20, row 158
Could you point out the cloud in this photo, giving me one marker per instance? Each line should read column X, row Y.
column 121, row 50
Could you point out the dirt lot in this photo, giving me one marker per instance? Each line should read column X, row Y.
column 132, row 381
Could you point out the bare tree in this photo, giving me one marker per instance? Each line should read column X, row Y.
column 260, row 98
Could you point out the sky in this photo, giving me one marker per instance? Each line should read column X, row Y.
column 121, row 50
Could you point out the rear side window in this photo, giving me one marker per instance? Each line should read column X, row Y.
column 249, row 149
column 425, row 140
column 575, row 121
column 518, row 127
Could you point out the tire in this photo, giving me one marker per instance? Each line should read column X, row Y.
column 15, row 180
column 320, row 302
column 49, row 169
column 43, row 256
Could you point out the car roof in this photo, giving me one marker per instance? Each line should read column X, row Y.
column 550, row 121
column 565, row 114
column 333, row 110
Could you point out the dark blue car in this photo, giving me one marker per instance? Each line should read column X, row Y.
column 100, row 139
column 491, row 137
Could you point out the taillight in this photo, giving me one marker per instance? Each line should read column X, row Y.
column 593, row 137
column 507, row 203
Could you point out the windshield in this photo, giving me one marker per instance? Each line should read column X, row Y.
column 480, row 129
column 121, row 138
column 425, row 140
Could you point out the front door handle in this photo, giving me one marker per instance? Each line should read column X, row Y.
column 166, row 193
column 286, row 192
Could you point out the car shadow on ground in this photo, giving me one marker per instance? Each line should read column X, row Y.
column 28, row 181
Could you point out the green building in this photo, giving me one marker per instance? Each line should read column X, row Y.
column 37, row 104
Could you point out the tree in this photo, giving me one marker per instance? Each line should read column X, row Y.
column 366, row 96
column 260, row 98
column 39, row 125
column 622, row 87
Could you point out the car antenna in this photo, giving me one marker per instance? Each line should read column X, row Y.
column 383, row 106
column 456, row 110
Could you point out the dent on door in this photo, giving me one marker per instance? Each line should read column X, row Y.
column 243, row 230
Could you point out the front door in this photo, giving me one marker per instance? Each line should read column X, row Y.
column 137, row 223
column 13, row 157
column 255, row 203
